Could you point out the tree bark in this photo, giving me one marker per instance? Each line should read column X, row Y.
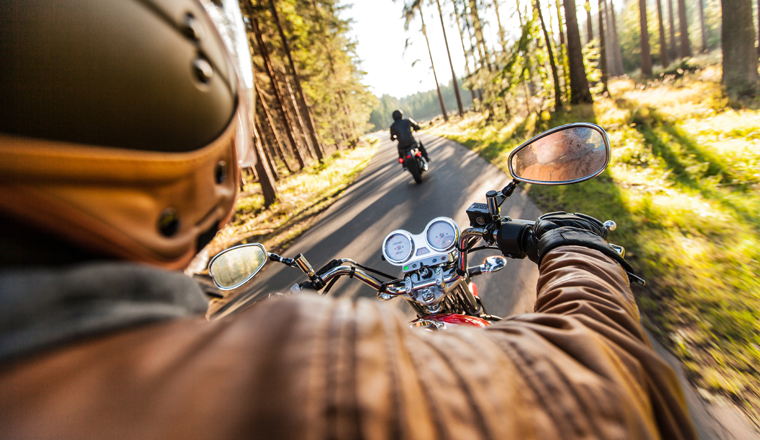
column 296, row 112
column 579, row 91
column 466, row 58
column 270, row 123
column 560, row 24
column 263, row 173
column 663, row 42
column 683, row 26
column 603, row 47
column 267, row 151
column 702, row 27
column 555, row 76
column 432, row 64
column 673, row 49
column 589, row 23
column 646, row 57
column 448, row 52
column 275, row 89
column 612, row 18
column 738, row 40
column 297, row 79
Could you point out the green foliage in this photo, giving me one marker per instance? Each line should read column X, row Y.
column 682, row 187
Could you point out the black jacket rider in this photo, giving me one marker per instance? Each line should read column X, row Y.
column 401, row 130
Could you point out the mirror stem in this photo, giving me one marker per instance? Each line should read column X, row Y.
column 279, row 259
column 507, row 191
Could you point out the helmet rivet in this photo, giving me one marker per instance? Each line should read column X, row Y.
column 192, row 27
column 168, row 222
column 203, row 70
column 220, row 172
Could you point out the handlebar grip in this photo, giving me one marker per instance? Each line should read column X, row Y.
column 513, row 237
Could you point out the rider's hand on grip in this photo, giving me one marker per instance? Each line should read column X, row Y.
column 562, row 229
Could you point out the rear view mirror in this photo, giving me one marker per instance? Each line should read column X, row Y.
column 236, row 266
column 568, row 154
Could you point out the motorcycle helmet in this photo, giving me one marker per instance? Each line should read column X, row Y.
column 397, row 115
column 119, row 126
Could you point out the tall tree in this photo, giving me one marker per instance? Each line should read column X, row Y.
column 270, row 122
column 263, row 173
column 663, row 44
column 603, row 47
column 555, row 76
column 296, row 112
column 702, row 28
column 280, row 105
column 297, row 79
column 683, row 26
column 560, row 24
column 461, row 38
column 646, row 57
column 448, row 52
column 673, row 49
column 409, row 14
column 502, row 38
column 478, row 26
column 612, row 19
column 579, row 91
column 589, row 23
column 738, row 41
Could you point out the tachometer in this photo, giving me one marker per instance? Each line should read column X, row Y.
column 441, row 235
column 398, row 247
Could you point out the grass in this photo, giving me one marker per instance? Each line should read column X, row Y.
column 682, row 186
column 302, row 196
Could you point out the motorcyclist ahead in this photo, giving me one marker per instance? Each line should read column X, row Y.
column 401, row 130
column 115, row 170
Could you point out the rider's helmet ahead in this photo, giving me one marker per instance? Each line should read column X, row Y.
column 119, row 125
column 397, row 114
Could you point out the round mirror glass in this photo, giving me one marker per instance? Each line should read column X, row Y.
column 233, row 267
column 571, row 154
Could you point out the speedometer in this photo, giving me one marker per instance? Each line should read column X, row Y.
column 442, row 234
column 398, row 247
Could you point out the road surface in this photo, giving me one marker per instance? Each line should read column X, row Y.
column 385, row 198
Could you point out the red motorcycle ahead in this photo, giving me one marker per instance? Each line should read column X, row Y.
column 435, row 278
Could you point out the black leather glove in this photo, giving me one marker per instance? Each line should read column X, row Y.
column 562, row 229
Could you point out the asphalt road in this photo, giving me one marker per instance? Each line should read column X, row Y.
column 385, row 198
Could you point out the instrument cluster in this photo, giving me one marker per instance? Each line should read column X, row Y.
column 432, row 246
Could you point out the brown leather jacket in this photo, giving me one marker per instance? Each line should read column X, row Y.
column 314, row 367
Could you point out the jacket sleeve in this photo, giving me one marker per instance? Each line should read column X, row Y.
column 415, row 126
column 393, row 134
column 585, row 309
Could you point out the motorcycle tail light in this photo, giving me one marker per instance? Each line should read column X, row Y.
column 408, row 156
column 419, row 154
column 400, row 160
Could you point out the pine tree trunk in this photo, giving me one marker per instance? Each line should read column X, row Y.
column 702, row 27
column 263, row 173
column 673, row 48
column 296, row 113
column 555, row 76
column 646, row 57
column 738, row 40
column 663, row 44
column 612, row 18
column 579, row 91
column 464, row 51
column 603, row 47
column 502, row 38
column 589, row 22
column 301, row 98
column 448, row 52
column 270, row 123
column 560, row 24
column 479, row 34
column 432, row 65
column 267, row 151
column 683, row 27
column 275, row 89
